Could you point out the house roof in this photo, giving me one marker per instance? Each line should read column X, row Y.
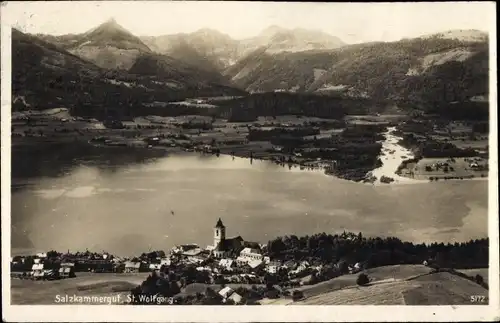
column 37, row 267
column 235, row 297
column 252, row 245
column 192, row 252
column 231, row 244
column 274, row 263
column 255, row 263
column 130, row 264
column 226, row 262
column 251, row 250
column 226, row 291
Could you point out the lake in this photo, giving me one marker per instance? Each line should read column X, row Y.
column 121, row 200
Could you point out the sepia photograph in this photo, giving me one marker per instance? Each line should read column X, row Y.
column 319, row 156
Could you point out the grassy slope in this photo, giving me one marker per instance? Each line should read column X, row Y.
column 395, row 285
column 443, row 289
column 379, row 69
column 44, row 292
column 473, row 272
column 398, row 272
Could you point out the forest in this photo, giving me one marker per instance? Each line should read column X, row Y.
column 374, row 252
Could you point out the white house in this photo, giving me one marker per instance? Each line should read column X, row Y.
column 249, row 254
column 37, row 271
column 254, row 264
column 41, row 255
column 236, row 298
column 227, row 263
column 165, row 261
column 273, row 267
column 154, row 266
column 226, row 292
column 132, row 267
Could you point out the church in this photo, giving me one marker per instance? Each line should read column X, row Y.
column 228, row 247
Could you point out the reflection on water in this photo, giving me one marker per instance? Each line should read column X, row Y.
column 121, row 202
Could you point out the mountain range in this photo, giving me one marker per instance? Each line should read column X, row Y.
column 46, row 75
column 440, row 68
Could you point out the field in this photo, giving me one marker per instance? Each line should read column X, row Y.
column 473, row 272
column 395, row 285
column 194, row 288
column 385, row 273
column 384, row 119
column 378, row 294
column 26, row 292
column 458, row 167
column 443, row 289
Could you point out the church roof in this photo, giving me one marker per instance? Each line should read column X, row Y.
column 232, row 244
column 251, row 245
column 219, row 224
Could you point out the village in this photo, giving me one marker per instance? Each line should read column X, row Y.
column 231, row 261
column 233, row 271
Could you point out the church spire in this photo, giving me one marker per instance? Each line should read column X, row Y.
column 219, row 224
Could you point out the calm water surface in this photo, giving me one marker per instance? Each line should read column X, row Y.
column 78, row 197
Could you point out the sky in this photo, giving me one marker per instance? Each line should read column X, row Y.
column 351, row 22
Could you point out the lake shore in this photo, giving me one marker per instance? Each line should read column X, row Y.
column 328, row 151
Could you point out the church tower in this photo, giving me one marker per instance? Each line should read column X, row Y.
column 219, row 233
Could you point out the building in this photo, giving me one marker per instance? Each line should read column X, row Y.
column 273, row 267
column 251, row 254
column 165, row 261
column 255, row 264
column 37, row 271
column 67, row 270
column 227, row 264
column 248, row 255
column 226, row 292
column 236, row 298
column 290, row 265
column 224, row 247
column 154, row 267
column 50, row 274
column 132, row 267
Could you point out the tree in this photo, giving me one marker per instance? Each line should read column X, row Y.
column 297, row 295
column 479, row 279
column 174, row 288
column 362, row 280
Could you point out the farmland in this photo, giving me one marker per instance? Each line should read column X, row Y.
column 25, row 292
column 444, row 168
column 396, row 285
column 384, row 273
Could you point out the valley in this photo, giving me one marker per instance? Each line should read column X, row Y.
column 112, row 89
column 357, row 171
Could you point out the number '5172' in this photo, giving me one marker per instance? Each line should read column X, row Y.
column 478, row 299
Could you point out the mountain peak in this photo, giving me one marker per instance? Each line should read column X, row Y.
column 469, row 35
column 207, row 31
column 271, row 30
column 109, row 26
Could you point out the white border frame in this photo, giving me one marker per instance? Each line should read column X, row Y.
column 304, row 313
